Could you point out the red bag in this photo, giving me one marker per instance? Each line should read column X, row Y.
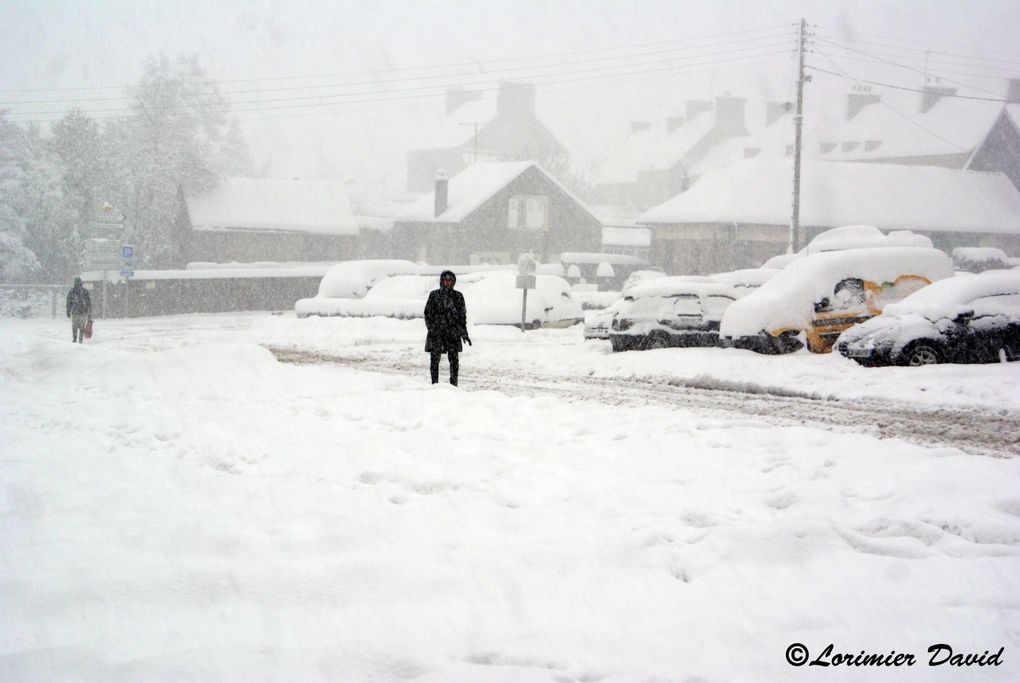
column 88, row 330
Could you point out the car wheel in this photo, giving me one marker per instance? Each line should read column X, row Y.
column 657, row 341
column 922, row 354
column 787, row 342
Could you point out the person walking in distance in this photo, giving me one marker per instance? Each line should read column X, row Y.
column 79, row 310
column 446, row 321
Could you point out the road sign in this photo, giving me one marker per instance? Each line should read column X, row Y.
column 525, row 282
column 127, row 273
column 109, row 218
column 101, row 254
column 127, row 251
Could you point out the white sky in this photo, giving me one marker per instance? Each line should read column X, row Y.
column 61, row 44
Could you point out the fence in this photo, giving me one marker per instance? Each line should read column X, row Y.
column 31, row 301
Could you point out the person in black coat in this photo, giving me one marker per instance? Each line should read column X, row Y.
column 446, row 320
column 79, row 310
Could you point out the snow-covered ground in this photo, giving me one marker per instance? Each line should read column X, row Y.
column 176, row 504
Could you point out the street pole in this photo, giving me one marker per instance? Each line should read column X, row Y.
column 104, row 295
column 524, row 307
column 798, row 123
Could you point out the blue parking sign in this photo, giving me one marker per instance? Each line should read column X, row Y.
column 127, row 251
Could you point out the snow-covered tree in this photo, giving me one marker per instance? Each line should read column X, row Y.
column 165, row 146
column 233, row 158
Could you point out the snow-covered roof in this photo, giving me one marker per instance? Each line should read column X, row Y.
column 888, row 196
column 471, row 188
column 308, row 206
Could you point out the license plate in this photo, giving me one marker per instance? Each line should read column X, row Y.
column 855, row 351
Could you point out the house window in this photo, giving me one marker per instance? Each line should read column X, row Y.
column 870, row 145
column 528, row 212
column 827, row 147
column 850, row 146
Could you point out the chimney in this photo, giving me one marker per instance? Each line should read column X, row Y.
column 459, row 96
column 729, row 116
column 859, row 99
column 695, row 107
column 516, row 100
column 1013, row 94
column 932, row 94
column 776, row 110
column 673, row 122
column 442, row 192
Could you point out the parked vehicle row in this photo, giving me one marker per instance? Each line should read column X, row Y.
column 878, row 306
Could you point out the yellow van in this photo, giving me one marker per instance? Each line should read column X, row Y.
column 822, row 294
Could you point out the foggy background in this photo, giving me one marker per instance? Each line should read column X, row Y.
column 342, row 89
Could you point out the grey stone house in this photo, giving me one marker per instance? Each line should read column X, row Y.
column 491, row 212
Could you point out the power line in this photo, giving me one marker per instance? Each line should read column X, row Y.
column 596, row 71
column 969, row 74
column 923, row 51
column 927, row 44
column 902, row 66
column 893, row 110
column 450, row 65
column 902, row 87
column 516, row 71
column 600, row 79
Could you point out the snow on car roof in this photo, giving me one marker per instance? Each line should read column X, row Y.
column 861, row 236
column 746, row 277
column 696, row 285
column 940, row 299
column 787, row 300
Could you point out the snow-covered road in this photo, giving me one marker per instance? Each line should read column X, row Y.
column 177, row 504
column 976, row 430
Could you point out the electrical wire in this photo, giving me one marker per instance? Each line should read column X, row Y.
column 472, row 63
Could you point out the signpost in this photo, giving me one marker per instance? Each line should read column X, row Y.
column 526, row 280
column 106, row 254
column 109, row 218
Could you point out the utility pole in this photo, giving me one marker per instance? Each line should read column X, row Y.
column 798, row 123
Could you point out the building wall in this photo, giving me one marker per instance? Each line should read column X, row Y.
column 703, row 248
column 247, row 246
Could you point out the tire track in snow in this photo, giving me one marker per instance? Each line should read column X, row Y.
column 984, row 432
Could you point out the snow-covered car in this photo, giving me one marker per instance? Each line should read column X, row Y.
column 747, row 280
column 496, row 300
column 973, row 319
column 642, row 277
column 598, row 323
column 350, row 280
column 671, row 311
column 821, row 295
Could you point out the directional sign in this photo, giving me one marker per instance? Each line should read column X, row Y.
column 109, row 218
column 101, row 254
column 127, row 273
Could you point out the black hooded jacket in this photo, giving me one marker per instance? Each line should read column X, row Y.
column 445, row 318
column 78, row 300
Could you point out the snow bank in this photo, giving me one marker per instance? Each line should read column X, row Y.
column 176, row 505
